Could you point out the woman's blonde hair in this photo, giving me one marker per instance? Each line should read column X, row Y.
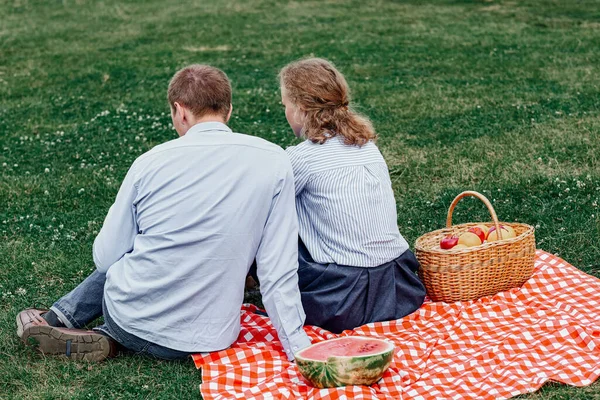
column 319, row 90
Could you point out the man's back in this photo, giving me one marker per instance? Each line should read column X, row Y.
column 200, row 205
column 172, row 256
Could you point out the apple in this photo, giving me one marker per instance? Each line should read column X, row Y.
column 448, row 242
column 507, row 233
column 479, row 232
column 459, row 246
column 469, row 239
column 484, row 228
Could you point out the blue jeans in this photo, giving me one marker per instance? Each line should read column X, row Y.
column 85, row 303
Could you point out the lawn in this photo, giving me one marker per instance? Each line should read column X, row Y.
column 502, row 97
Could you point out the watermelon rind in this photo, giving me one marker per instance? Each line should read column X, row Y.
column 347, row 370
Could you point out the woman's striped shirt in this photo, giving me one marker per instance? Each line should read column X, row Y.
column 345, row 203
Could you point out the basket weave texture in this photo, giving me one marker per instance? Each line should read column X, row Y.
column 474, row 272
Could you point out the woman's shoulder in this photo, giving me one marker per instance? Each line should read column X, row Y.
column 367, row 150
column 300, row 156
column 300, row 147
column 334, row 153
column 301, row 151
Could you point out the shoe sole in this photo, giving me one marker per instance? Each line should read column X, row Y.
column 71, row 346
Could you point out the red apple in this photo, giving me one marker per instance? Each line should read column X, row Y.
column 479, row 232
column 449, row 242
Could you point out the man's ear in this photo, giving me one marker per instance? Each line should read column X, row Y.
column 179, row 112
column 229, row 113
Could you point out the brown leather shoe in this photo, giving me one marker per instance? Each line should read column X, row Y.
column 74, row 344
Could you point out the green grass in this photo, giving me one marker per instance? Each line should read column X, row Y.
column 502, row 97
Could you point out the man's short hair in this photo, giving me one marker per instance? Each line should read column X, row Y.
column 203, row 89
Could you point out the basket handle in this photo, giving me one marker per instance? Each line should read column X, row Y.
column 484, row 200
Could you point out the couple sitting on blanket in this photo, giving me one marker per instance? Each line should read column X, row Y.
column 193, row 214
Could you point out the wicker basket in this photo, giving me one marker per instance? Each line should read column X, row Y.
column 474, row 272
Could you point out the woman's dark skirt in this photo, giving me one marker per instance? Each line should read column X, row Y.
column 337, row 297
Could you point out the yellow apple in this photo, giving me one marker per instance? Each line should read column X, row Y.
column 507, row 233
column 469, row 239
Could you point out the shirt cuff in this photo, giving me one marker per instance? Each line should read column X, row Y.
column 295, row 342
column 99, row 267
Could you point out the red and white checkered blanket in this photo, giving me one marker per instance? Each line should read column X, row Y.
column 493, row 348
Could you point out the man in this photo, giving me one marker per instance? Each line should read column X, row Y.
column 172, row 256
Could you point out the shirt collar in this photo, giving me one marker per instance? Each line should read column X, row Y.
column 208, row 126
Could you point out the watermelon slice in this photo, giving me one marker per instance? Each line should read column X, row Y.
column 349, row 360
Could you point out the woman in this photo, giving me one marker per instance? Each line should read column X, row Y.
column 354, row 266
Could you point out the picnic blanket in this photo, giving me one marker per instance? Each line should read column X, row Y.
column 493, row 348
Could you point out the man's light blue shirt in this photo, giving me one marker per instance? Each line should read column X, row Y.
column 189, row 219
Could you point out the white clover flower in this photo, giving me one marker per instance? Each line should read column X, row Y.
column 21, row 292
